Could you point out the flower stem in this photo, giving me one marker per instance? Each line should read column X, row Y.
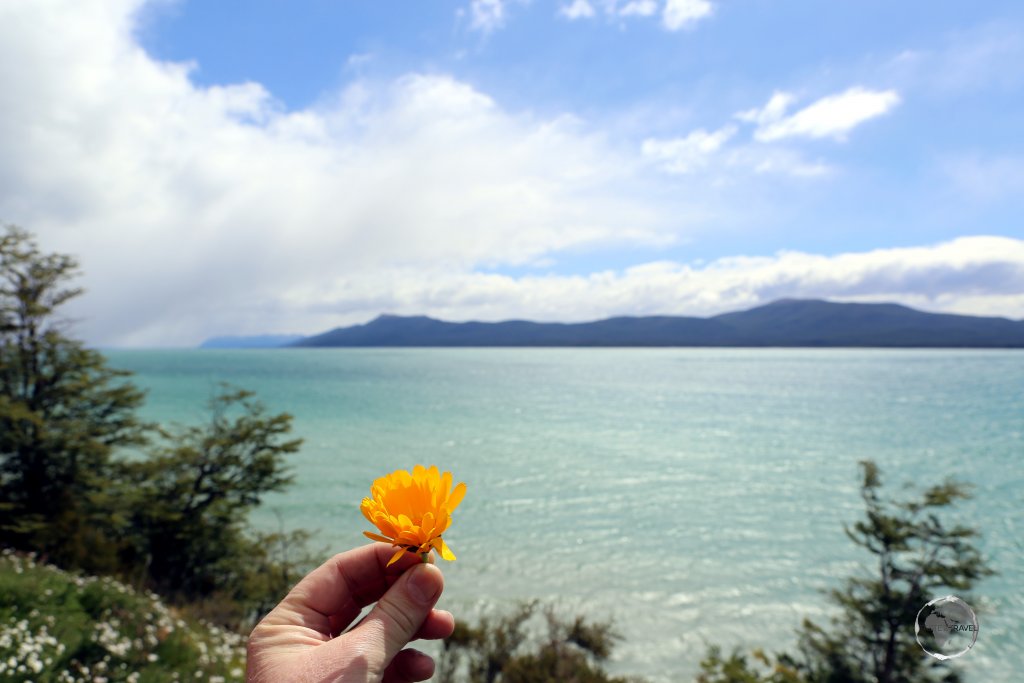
column 425, row 557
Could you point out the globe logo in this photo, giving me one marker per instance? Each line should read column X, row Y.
column 946, row 627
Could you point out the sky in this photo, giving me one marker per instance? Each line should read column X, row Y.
column 262, row 167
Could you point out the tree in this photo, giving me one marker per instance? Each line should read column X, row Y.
column 916, row 556
column 871, row 640
column 62, row 414
column 194, row 494
column 173, row 517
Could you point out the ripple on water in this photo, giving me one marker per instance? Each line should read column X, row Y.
column 694, row 495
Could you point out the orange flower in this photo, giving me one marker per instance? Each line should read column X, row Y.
column 413, row 510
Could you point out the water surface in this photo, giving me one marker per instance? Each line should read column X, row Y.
column 692, row 495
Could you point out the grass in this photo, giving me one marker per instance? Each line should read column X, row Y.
column 60, row 627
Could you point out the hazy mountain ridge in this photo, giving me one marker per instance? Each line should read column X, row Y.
column 259, row 341
column 788, row 322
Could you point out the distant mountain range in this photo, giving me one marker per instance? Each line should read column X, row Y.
column 788, row 322
column 260, row 341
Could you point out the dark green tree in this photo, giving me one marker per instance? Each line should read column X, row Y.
column 78, row 485
column 63, row 412
column 193, row 495
column 917, row 557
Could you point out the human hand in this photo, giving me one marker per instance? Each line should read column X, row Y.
column 302, row 640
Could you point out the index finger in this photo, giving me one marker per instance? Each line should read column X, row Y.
column 333, row 594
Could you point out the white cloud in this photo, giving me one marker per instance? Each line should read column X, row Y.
column 675, row 14
column 639, row 8
column 687, row 154
column 196, row 211
column 829, row 117
column 579, row 9
column 679, row 14
column 708, row 153
column 487, row 15
column 357, row 61
column 777, row 160
column 769, row 113
column 977, row 275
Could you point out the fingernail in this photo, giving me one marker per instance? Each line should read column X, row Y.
column 424, row 587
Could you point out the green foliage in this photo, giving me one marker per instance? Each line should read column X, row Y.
column 916, row 554
column 270, row 566
column 193, row 495
column 172, row 518
column 62, row 414
column 502, row 650
column 736, row 668
column 60, row 626
column 871, row 640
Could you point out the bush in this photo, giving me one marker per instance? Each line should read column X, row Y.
column 63, row 627
column 502, row 650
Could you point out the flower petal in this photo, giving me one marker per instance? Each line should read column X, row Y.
column 446, row 552
column 412, row 508
column 394, row 558
column 442, row 522
column 456, row 497
column 366, row 507
column 381, row 521
column 406, row 538
column 428, row 524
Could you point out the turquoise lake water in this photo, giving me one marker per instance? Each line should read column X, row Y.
column 692, row 495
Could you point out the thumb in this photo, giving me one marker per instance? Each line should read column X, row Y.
column 396, row 617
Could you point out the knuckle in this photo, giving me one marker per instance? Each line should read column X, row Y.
column 402, row 620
